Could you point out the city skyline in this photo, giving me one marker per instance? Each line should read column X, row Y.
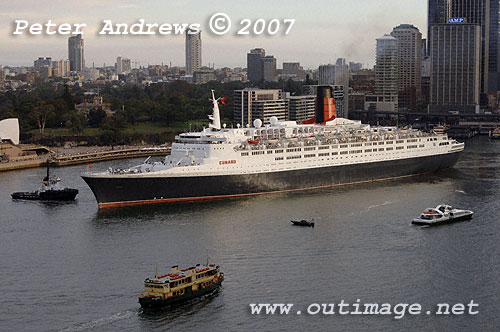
column 351, row 29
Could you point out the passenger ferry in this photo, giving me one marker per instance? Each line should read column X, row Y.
column 180, row 285
column 284, row 156
column 442, row 214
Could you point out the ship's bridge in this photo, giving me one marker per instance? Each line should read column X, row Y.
column 201, row 137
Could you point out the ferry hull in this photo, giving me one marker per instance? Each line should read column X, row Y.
column 119, row 191
column 159, row 302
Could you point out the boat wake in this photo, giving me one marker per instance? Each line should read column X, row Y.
column 101, row 321
column 371, row 207
column 378, row 205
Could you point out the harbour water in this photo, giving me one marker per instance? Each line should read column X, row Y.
column 70, row 267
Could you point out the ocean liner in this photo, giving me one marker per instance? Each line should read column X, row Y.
column 283, row 156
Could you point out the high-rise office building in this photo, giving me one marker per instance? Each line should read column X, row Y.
column 301, row 108
column 255, row 70
column 494, row 61
column 122, row 65
column 342, row 79
column 355, row 67
column 437, row 13
column 475, row 12
column 254, row 103
column 193, row 52
column 269, row 68
column 42, row 62
column 75, row 53
column 455, row 68
column 386, row 74
column 259, row 66
column 326, row 74
column 292, row 68
column 60, row 68
column 409, row 65
column 481, row 12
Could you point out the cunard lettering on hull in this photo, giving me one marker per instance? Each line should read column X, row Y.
column 325, row 151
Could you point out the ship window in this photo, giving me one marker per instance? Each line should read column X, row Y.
column 368, row 150
column 257, row 153
column 344, row 152
column 335, row 146
column 324, row 147
column 323, row 154
column 244, row 154
column 334, row 153
column 279, row 151
column 368, row 144
column 399, row 142
column 270, row 152
column 279, row 158
column 381, row 143
column 343, row 146
column 400, row 147
column 411, row 147
column 310, row 149
column 390, row 149
column 309, row 155
column 389, row 142
column 374, row 143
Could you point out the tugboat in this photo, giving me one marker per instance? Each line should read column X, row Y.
column 303, row 223
column 50, row 191
column 180, row 286
column 442, row 214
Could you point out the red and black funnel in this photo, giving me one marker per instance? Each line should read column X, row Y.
column 325, row 106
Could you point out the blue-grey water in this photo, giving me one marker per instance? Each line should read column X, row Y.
column 70, row 267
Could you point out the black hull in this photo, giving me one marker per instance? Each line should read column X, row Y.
column 119, row 191
column 158, row 302
column 48, row 195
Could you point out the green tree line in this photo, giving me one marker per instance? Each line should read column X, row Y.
column 52, row 105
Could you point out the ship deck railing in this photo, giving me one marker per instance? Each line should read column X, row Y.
column 319, row 140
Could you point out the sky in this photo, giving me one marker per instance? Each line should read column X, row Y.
column 324, row 30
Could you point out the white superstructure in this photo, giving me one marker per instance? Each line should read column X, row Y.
column 285, row 146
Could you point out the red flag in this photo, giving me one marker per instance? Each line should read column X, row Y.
column 223, row 101
column 90, row 166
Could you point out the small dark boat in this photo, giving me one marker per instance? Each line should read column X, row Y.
column 51, row 191
column 303, row 223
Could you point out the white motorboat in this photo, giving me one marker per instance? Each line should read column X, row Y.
column 442, row 214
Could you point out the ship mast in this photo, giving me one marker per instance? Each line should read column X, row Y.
column 215, row 117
